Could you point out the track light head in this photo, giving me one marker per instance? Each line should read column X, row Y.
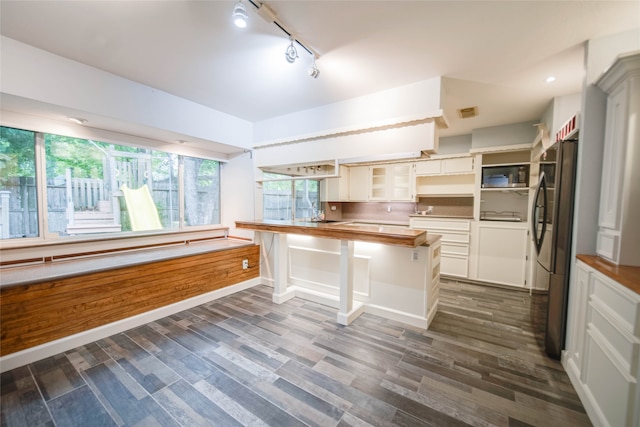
column 239, row 15
column 291, row 53
column 313, row 69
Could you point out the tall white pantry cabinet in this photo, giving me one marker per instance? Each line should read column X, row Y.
column 618, row 237
column 602, row 357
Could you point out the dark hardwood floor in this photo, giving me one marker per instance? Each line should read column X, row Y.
column 242, row 360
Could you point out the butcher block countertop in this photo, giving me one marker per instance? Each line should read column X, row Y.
column 373, row 233
column 627, row 276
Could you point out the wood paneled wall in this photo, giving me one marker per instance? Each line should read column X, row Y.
column 35, row 314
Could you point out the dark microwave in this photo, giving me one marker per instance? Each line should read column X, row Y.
column 511, row 176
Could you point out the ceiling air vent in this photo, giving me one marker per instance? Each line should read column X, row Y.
column 467, row 113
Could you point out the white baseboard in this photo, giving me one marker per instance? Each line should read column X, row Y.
column 359, row 308
column 346, row 318
column 33, row 354
column 315, row 296
column 398, row 316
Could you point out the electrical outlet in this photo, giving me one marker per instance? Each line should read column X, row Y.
column 245, row 264
column 414, row 256
column 388, row 208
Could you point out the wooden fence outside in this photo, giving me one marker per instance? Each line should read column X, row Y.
column 277, row 205
column 21, row 210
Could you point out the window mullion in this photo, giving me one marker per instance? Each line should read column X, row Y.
column 41, row 188
column 181, row 192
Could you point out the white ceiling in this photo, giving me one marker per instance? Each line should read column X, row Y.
column 493, row 54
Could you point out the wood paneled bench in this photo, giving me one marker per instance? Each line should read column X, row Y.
column 46, row 302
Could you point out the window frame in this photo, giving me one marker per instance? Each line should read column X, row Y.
column 292, row 180
column 51, row 243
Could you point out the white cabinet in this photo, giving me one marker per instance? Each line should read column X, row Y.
column 337, row 189
column 444, row 177
column 359, row 183
column 502, row 253
column 602, row 357
column 618, row 238
column 455, row 242
column 392, row 182
column 401, row 182
column 455, row 165
column 429, row 167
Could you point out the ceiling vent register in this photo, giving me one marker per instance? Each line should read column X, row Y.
column 467, row 113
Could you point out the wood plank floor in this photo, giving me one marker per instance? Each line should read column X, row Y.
column 242, row 360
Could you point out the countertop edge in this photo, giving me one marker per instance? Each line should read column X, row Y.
column 405, row 237
column 626, row 275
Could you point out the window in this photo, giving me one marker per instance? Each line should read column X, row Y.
column 279, row 196
column 202, row 191
column 95, row 187
column 18, row 192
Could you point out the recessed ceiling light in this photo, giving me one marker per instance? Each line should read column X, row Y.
column 550, row 79
column 78, row 120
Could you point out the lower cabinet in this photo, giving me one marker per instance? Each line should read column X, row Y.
column 502, row 253
column 603, row 347
column 455, row 242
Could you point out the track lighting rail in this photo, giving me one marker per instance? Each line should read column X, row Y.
column 266, row 13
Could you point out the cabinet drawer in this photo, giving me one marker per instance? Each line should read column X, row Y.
column 452, row 248
column 620, row 302
column 611, row 389
column 453, row 237
column 440, row 224
column 620, row 343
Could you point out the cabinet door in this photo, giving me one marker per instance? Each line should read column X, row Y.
column 402, row 182
column 378, row 189
column 429, row 167
column 457, row 165
column 613, row 160
column 337, row 189
column 359, row 183
column 502, row 255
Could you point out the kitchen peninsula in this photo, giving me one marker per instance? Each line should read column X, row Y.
column 390, row 271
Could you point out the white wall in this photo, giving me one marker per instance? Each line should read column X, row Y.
column 600, row 55
column 35, row 74
column 237, row 193
column 513, row 134
column 454, row 144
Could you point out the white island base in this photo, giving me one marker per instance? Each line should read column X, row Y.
column 394, row 282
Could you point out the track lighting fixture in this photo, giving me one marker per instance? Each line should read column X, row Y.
column 313, row 68
column 239, row 15
column 291, row 53
column 240, row 18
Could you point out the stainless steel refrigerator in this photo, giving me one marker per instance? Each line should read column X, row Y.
column 552, row 217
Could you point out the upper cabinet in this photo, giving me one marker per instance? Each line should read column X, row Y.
column 392, row 182
column 618, row 227
column 337, row 189
column 389, row 182
column 359, row 183
column 456, row 165
column 443, row 177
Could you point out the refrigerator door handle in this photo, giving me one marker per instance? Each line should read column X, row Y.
column 538, row 237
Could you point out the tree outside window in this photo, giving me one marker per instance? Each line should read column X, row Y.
column 94, row 187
